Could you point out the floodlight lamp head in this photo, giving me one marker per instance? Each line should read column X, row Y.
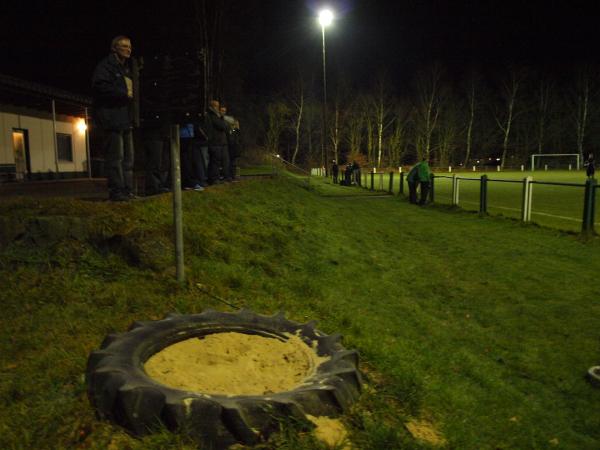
column 325, row 17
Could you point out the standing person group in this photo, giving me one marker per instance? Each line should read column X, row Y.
column 210, row 142
column 419, row 174
column 351, row 175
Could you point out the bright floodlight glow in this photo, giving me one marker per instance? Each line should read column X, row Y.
column 81, row 126
column 325, row 17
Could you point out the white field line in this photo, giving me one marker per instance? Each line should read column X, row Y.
column 532, row 212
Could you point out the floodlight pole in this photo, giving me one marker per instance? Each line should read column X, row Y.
column 324, row 152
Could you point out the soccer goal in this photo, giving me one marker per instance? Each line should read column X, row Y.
column 562, row 161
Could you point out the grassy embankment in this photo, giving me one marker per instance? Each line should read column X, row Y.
column 482, row 327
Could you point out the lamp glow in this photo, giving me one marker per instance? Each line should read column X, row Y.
column 325, row 17
column 81, row 126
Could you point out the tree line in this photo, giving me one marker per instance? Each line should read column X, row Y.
column 507, row 113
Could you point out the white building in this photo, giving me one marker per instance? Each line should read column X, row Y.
column 43, row 132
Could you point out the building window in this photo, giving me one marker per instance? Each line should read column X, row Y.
column 64, row 147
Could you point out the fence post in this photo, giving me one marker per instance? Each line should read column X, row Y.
column 401, row 190
column 589, row 206
column 431, row 188
column 372, row 181
column 391, row 189
column 526, row 203
column 177, row 204
column 483, row 195
column 455, row 180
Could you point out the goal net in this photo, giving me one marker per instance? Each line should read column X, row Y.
column 556, row 161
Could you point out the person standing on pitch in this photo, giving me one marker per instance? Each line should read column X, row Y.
column 590, row 168
column 112, row 84
column 335, row 171
column 419, row 174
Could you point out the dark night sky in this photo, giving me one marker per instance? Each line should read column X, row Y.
column 58, row 43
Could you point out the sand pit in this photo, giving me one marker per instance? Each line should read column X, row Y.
column 234, row 363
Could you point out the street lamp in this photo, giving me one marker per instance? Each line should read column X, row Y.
column 325, row 19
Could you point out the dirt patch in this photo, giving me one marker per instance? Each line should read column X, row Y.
column 235, row 364
column 330, row 431
column 425, row 431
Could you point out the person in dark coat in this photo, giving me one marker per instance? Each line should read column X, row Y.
column 216, row 130
column 356, row 173
column 112, row 85
column 335, row 171
column 348, row 175
column 192, row 163
column 590, row 168
column 230, row 154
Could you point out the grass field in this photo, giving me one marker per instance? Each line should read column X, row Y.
column 558, row 207
column 481, row 327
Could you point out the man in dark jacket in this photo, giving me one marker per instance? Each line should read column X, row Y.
column 335, row 171
column 112, row 84
column 216, row 129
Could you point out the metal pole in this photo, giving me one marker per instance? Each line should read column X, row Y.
column 55, row 137
column 401, row 190
column 432, row 188
column 483, row 195
column 391, row 189
column 589, row 204
column 324, row 152
column 87, row 143
column 526, row 206
column 177, row 207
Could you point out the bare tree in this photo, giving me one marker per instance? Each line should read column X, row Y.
column 472, row 107
column 369, row 127
column 382, row 106
column 580, row 104
column 397, row 140
column 427, row 109
column 448, row 134
column 355, row 124
column 312, row 119
column 544, row 98
column 278, row 113
column 209, row 16
column 506, row 113
column 297, row 101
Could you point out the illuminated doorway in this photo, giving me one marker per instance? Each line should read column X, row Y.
column 21, row 153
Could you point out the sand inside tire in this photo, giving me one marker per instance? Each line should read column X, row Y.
column 234, row 364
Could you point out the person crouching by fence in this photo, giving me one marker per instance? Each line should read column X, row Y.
column 419, row 174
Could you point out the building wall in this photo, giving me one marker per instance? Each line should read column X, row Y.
column 41, row 142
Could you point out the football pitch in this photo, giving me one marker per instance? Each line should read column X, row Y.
column 556, row 206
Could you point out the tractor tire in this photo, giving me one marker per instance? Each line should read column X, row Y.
column 122, row 392
column 594, row 376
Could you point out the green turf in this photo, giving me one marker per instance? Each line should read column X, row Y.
column 559, row 207
column 483, row 326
